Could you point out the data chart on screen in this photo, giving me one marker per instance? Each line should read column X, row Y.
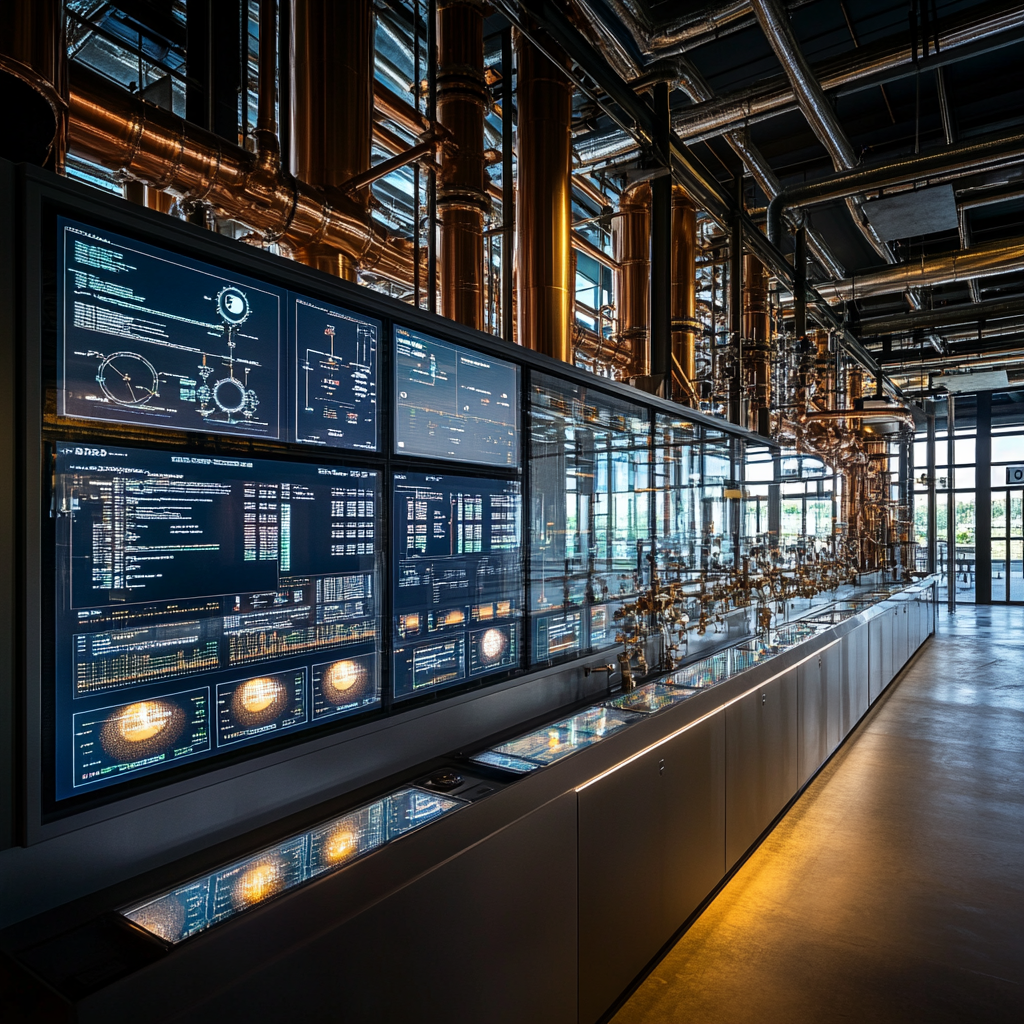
column 205, row 603
column 457, row 578
column 452, row 402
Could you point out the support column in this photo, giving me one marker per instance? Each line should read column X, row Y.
column 684, row 296
column 757, row 340
column 543, row 209
column 333, row 117
column 631, row 241
column 933, row 540
column 462, row 102
column 950, row 504
column 983, row 500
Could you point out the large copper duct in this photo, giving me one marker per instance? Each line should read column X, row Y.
column 631, row 238
column 757, row 340
column 34, row 53
column 543, row 204
column 332, row 62
column 111, row 127
column 685, row 324
column 462, row 102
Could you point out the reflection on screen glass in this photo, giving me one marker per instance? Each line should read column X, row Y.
column 194, row 906
column 204, row 603
column 454, row 403
column 458, row 579
column 146, row 336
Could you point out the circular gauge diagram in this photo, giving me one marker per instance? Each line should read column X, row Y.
column 128, row 378
column 232, row 306
column 230, row 395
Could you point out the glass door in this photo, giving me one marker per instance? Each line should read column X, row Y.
column 1008, row 545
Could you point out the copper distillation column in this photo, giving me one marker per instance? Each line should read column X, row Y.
column 685, row 325
column 462, row 201
column 34, row 82
column 332, row 120
column 757, row 341
column 631, row 240
column 543, row 209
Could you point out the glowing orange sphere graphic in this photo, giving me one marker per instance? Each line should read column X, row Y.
column 343, row 680
column 263, row 880
column 259, row 701
column 142, row 729
column 492, row 645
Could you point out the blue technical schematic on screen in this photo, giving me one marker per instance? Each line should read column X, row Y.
column 335, row 375
column 458, row 580
column 148, row 337
column 454, row 403
column 205, row 603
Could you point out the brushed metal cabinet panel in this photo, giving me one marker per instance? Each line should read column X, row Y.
column 784, row 764
column 746, row 786
column 854, row 686
column 812, row 698
column 761, row 761
column 660, row 818
column 489, row 935
column 621, row 832
column 695, row 819
column 901, row 642
column 875, row 627
column 832, row 671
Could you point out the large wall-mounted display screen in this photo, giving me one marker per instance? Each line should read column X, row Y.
column 335, row 375
column 148, row 337
column 455, row 403
column 458, row 580
column 204, row 603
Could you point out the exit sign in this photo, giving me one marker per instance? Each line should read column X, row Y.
column 1015, row 476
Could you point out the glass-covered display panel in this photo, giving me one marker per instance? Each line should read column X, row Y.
column 204, row 603
column 560, row 739
column 651, row 698
column 193, row 907
column 457, row 570
column 589, row 512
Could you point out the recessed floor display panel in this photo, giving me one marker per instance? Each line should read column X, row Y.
column 205, row 603
column 454, row 403
column 335, row 375
column 149, row 337
column 458, row 580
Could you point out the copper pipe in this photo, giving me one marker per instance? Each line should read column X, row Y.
column 266, row 123
column 462, row 200
column 631, row 239
column 388, row 106
column 386, row 167
column 543, row 203
column 140, row 141
column 685, row 324
column 587, row 247
column 601, row 350
column 757, row 336
column 33, row 50
column 333, row 96
column 1000, row 257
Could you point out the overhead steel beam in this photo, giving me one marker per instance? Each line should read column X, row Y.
column 956, row 316
column 940, row 165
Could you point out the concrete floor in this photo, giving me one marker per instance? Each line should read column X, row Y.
column 894, row 888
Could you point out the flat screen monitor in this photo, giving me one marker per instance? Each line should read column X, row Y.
column 335, row 372
column 204, row 604
column 152, row 338
column 458, row 580
column 454, row 403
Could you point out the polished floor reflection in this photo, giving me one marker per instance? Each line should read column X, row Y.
column 894, row 888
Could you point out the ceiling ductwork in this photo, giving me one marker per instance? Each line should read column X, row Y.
column 990, row 260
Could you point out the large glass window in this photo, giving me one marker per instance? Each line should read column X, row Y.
column 590, row 513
